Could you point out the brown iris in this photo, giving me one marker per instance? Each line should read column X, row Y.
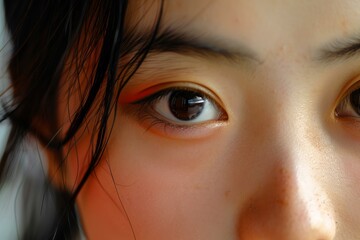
column 186, row 105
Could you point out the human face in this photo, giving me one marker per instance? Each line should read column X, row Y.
column 275, row 156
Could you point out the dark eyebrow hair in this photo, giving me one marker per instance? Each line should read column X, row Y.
column 340, row 49
column 205, row 46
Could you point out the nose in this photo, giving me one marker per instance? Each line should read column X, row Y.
column 288, row 205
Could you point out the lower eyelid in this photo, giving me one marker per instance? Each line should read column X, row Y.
column 166, row 129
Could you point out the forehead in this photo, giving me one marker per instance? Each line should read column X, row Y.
column 235, row 15
column 263, row 24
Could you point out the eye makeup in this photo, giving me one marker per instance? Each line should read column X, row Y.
column 179, row 111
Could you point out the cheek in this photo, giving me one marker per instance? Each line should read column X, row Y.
column 343, row 179
column 352, row 167
column 168, row 186
column 351, row 180
column 161, row 192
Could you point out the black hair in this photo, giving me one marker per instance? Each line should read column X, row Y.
column 47, row 37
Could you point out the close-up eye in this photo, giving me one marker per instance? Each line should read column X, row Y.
column 182, row 107
column 349, row 105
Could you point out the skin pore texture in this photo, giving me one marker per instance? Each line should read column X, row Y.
column 282, row 161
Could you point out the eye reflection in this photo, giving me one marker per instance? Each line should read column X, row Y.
column 186, row 105
column 181, row 107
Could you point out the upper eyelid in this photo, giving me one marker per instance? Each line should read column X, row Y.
column 163, row 92
column 355, row 84
column 153, row 96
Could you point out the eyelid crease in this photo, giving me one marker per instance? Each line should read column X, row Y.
column 178, row 85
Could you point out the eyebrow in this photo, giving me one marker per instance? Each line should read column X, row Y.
column 207, row 46
column 198, row 45
column 340, row 49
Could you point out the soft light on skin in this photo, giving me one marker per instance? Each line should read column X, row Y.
column 277, row 168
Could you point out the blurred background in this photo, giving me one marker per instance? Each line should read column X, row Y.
column 9, row 192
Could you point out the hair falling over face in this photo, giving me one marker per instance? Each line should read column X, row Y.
column 181, row 119
column 50, row 38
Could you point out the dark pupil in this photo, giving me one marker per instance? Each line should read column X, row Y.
column 355, row 100
column 186, row 105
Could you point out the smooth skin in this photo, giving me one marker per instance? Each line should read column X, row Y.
column 285, row 161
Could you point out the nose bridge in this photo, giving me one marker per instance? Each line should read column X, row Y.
column 289, row 205
column 290, row 201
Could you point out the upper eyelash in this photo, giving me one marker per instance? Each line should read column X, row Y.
column 143, row 104
column 163, row 93
column 155, row 96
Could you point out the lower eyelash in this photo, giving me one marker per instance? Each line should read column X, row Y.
column 151, row 120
